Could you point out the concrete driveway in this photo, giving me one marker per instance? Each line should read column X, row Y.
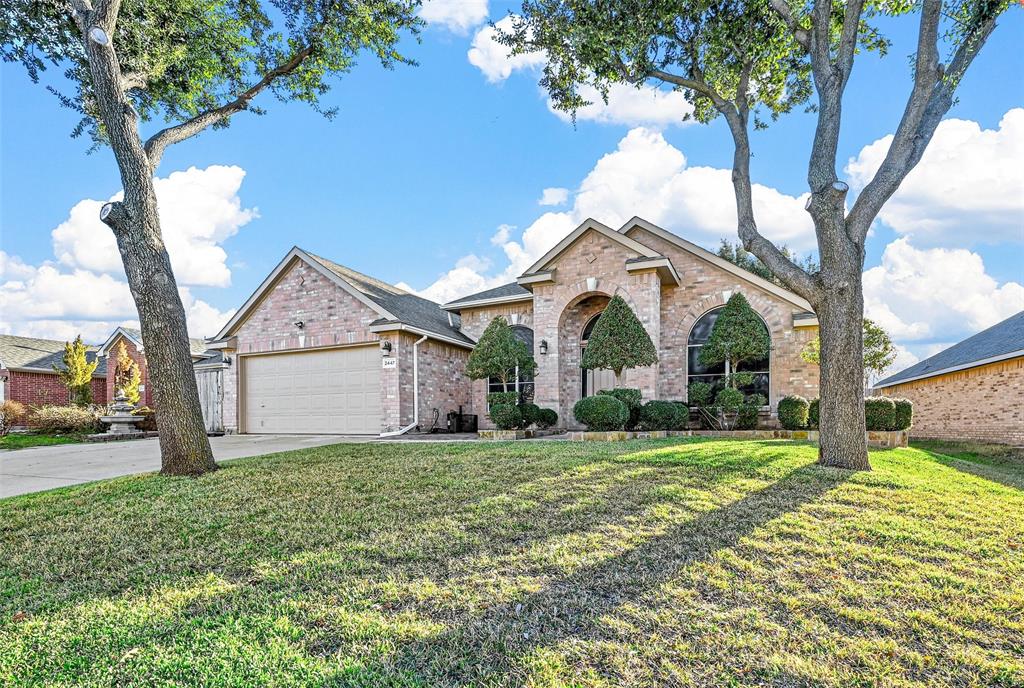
column 44, row 468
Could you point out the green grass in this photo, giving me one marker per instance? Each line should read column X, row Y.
column 24, row 440
column 676, row 563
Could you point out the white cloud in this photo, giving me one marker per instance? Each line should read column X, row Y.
column 968, row 187
column 936, row 293
column 458, row 16
column 502, row 235
column 646, row 176
column 199, row 210
column 493, row 59
column 631, row 106
column 553, row 195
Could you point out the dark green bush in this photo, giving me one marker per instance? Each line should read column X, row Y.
column 699, row 394
column 812, row 413
column 659, row 415
column 749, row 412
column 547, row 418
column 530, row 413
column 508, row 398
column 904, row 414
column 879, row 413
column 729, row 400
column 682, row 416
column 601, row 412
column 506, row 416
column 633, row 401
column 793, row 412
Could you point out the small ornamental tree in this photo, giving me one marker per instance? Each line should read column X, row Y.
column 499, row 354
column 879, row 351
column 619, row 341
column 76, row 374
column 738, row 336
column 127, row 376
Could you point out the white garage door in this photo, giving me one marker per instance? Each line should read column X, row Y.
column 333, row 392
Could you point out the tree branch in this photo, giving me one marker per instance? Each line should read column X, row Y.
column 159, row 142
column 683, row 82
column 800, row 34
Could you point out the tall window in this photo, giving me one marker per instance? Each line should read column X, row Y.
column 716, row 374
column 524, row 383
column 593, row 381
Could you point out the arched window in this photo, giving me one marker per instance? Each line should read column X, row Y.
column 695, row 372
column 524, row 384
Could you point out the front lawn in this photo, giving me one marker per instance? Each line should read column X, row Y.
column 674, row 562
column 24, row 440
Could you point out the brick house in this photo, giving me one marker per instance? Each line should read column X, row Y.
column 973, row 390
column 132, row 339
column 322, row 348
column 27, row 374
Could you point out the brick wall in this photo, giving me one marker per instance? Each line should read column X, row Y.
column 45, row 389
column 984, row 403
column 146, row 396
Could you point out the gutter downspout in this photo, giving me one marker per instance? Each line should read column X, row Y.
column 415, row 391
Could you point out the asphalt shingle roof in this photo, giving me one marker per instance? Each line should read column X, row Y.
column 407, row 308
column 510, row 289
column 196, row 346
column 29, row 352
column 1002, row 338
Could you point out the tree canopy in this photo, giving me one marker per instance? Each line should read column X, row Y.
column 740, row 257
column 127, row 376
column 618, row 341
column 879, row 351
column 76, row 373
column 499, row 354
column 738, row 336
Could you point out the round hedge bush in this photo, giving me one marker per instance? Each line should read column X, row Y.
column 530, row 413
column 506, row 416
column 812, row 413
column 495, row 398
column 682, row 416
column 904, row 414
column 546, row 418
column 601, row 412
column 729, row 400
column 633, row 400
column 793, row 412
column 659, row 415
column 879, row 413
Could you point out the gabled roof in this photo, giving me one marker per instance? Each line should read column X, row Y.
column 590, row 224
column 395, row 306
column 197, row 346
column 30, row 353
column 1000, row 342
column 506, row 293
column 718, row 261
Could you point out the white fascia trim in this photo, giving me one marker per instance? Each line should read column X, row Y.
column 402, row 327
column 102, row 351
column 805, row 321
column 663, row 265
column 953, row 369
column 536, row 277
column 717, row 261
column 588, row 224
column 512, row 298
column 296, row 252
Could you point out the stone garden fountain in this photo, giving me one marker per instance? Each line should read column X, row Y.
column 122, row 423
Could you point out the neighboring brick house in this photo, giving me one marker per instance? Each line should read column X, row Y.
column 27, row 374
column 321, row 348
column 973, row 390
column 132, row 339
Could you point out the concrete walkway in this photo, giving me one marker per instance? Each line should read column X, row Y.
column 44, row 468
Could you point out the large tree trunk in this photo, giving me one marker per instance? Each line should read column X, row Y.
column 184, row 447
column 842, row 440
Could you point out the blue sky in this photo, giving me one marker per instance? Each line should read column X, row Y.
column 422, row 166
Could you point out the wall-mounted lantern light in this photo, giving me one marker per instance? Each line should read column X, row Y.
column 385, row 347
column 543, row 347
column 299, row 324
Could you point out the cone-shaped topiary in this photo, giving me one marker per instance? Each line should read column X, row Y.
column 498, row 354
column 738, row 336
column 619, row 341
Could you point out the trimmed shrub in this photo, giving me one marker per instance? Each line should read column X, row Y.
column 699, row 394
column 879, row 413
column 633, row 400
column 601, row 412
column 812, row 413
column 904, row 414
column 507, row 398
column 506, row 416
column 547, row 418
column 530, row 413
column 793, row 412
column 11, row 414
column 729, row 400
column 682, row 416
column 64, row 419
column 750, row 411
column 659, row 415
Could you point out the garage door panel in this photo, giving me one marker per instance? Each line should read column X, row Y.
column 330, row 391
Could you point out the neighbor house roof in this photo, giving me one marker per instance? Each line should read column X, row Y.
column 196, row 345
column 397, row 308
column 506, row 293
column 1000, row 342
column 40, row 355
